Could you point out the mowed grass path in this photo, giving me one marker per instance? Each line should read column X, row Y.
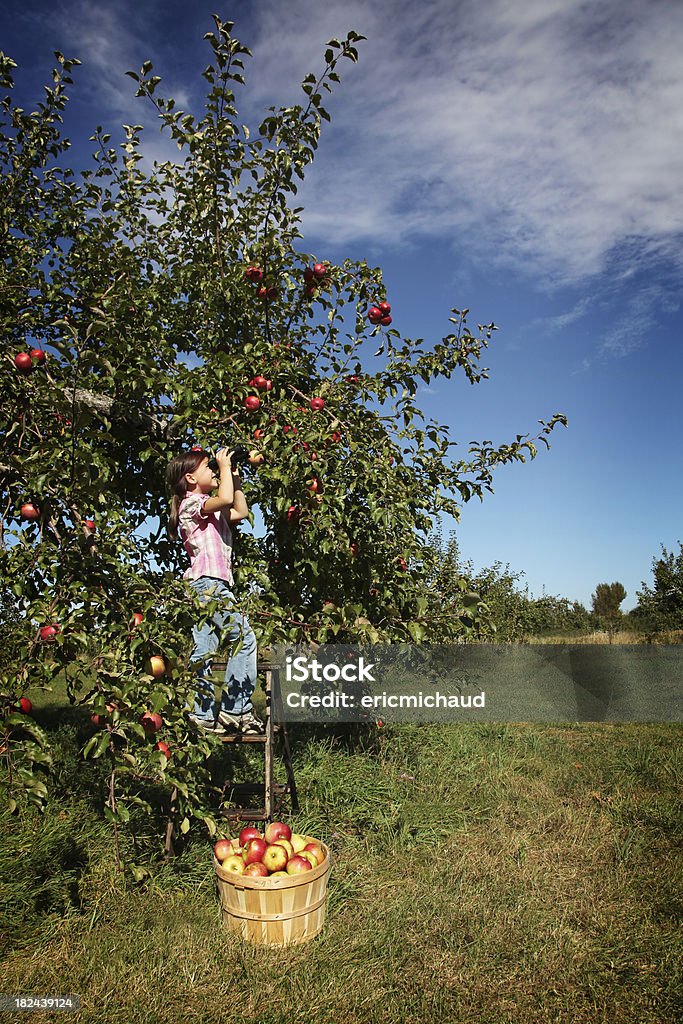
column 493, row 874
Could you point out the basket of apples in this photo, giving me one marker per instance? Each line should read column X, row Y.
column 272, row 885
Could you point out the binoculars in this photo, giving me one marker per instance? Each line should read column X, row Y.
column 240, row 457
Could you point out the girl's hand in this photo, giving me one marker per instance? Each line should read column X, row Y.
column 224, row 458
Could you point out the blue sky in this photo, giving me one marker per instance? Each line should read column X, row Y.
column 521, row 158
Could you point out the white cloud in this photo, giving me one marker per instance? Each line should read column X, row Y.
column 554, row 130
column 542, row 134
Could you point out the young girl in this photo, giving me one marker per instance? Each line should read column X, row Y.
column 203, row 520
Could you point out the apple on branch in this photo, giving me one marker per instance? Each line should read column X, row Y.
column 29, row 511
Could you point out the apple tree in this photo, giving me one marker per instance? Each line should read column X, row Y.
column 149, row 307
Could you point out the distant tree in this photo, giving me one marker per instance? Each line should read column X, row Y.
column 661, row 605
column 606, row 601
column 506, row 611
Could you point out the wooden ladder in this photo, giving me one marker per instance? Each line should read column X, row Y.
column 272, row 793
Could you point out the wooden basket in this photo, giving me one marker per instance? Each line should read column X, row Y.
column 275, row 911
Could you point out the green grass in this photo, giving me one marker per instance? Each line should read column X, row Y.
column 485, row 874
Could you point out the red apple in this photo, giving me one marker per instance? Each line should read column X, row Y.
column 99, row 720
column 353, row 548
column 256, row 870
column 23, row 362
column 375, row 315
column 385, row 321
column 275, row 858
column 137, row 618
column 402, row 564
column 29, row 511
column 247, row 833
column 293, row 514
column 297, row 865
column 252, row 403
column 335, row 437
column 258, row 434
column 384, row 308
column 38, row 356
column 90, row 524
column 319, row 270
column 25, row 705
column 316, row 404
column 165, row 749
column 312, row 860
column 272, row 292
column 253, row 274
column 353, row 379
column 277, row 830
column 151, row 722
column 222, row 849
column 49, row 632
column 253, row 851
column 317, row 851
column 234, row 864
column 308, row 275
column 260, row 382
column 314, row 485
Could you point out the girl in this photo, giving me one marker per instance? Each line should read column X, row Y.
column 203, row 521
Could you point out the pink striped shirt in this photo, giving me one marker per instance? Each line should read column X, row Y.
column 207, row 538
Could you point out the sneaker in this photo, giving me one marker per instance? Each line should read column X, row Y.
column 207, row 725
column 230, row 722
column 247, row 723
column 251, row 724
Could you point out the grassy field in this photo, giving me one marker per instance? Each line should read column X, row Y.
column 483, row 873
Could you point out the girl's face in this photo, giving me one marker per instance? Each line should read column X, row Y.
column 203, row 479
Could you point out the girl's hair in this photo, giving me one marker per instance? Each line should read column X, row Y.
column 177, row 484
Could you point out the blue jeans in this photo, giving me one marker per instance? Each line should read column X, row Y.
column 240, row 673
